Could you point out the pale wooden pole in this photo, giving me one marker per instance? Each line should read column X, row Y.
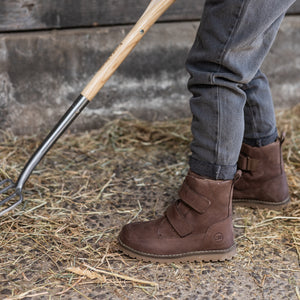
column 154, row 10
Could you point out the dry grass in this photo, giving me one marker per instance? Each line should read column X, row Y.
column 61, row 245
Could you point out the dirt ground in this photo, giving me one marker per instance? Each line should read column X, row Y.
column 62, row 244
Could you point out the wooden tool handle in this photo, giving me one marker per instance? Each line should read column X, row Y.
column 154, row 10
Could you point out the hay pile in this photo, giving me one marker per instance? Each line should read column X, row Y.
column 61, row 245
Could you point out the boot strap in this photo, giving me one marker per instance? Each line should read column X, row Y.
column 177, row 220
column 193, row 198
column 247, row 163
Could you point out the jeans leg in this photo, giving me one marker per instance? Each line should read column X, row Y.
column 260, row 122
column 231, row 43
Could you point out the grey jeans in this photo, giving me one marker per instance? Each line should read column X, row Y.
column 231, row 100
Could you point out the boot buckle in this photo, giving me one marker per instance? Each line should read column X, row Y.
column 247, row 163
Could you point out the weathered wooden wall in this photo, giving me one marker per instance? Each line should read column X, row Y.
column 16, row 15
column 42, row 70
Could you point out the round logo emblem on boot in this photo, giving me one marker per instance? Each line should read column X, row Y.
column 219, row 237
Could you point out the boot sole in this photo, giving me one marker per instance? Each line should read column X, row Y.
column 197, row 256
column 255, row 203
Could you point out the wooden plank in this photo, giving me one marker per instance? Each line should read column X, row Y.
column 22, row 15
column 17, row 15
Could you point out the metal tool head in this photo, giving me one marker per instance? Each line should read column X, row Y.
column 10, row 192
column 10, row 196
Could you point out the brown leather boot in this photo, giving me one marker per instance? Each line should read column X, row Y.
column 263, row 183
column 198, row 227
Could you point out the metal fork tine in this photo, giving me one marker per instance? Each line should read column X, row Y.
column 5, row 180
column 8, row 184
column 17, row 193
column 8, row 198
column 7, row 187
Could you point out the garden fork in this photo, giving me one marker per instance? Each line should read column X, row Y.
column 10, row 192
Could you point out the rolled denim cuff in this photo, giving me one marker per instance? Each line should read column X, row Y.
column 217, row 172
column 260, row 142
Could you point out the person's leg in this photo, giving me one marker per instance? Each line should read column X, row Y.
column 233, row 39
column 260, row 123
column 263, row 183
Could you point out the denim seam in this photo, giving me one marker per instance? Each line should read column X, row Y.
column 218, row 172
column 220, row 61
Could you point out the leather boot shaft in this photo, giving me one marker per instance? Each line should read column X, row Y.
column 263, row 182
